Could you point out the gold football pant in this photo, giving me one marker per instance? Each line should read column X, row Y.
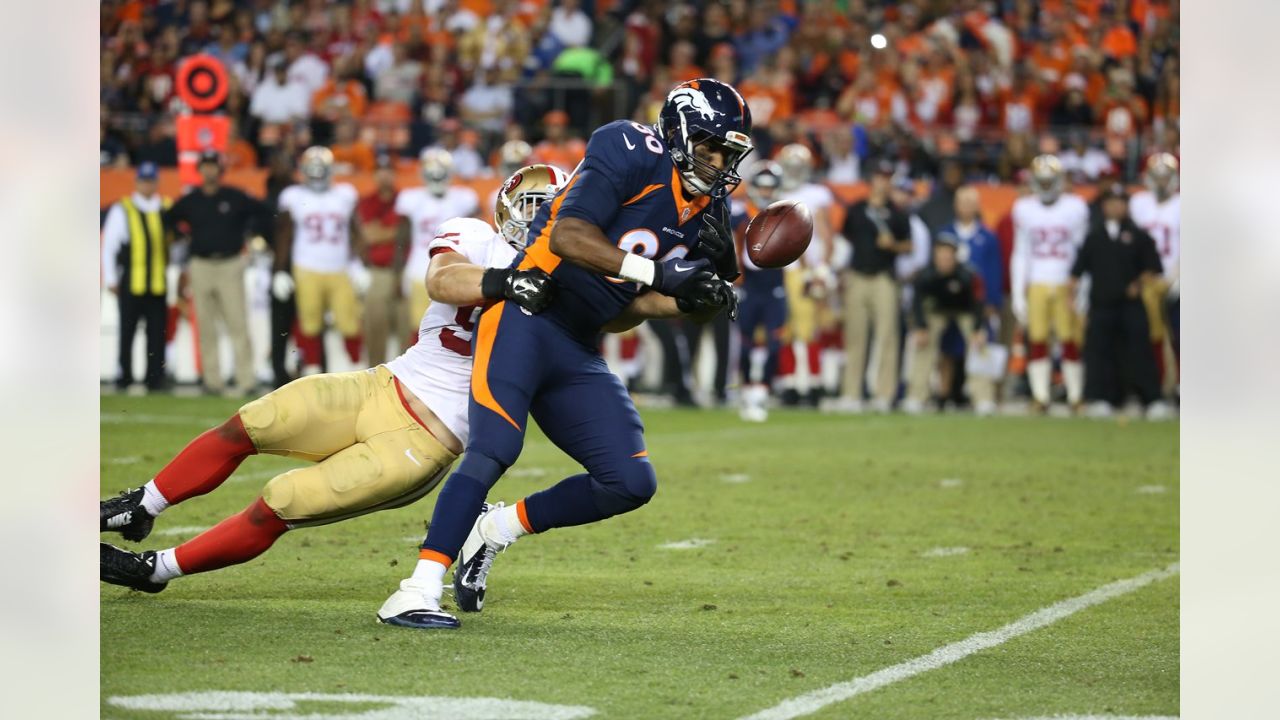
column 1050, row 308
column 1153, row 294
column 370, row 452
column 415, row 308
column 317, row 292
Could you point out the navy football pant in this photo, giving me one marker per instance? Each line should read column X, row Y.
column 760, row 309
column 527, row 364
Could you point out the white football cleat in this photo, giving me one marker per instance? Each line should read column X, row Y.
column 416, row 605
column 1099, row 410
column 911, row 406
column 1159, row 410
column 984, row 408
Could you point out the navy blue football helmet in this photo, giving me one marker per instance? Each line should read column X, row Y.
column 706, row 112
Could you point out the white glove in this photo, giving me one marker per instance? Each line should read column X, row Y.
column 361, row 279
column 1020, row 309
column 281, row 285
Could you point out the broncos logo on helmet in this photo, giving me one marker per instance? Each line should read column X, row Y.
column 685, row 97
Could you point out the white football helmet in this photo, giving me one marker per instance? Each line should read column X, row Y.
column 513, row 155
column 437, row 170
column 1047, row 178
column 521, row 196
column 796, row 162
column 1161, row 176
column 317, row 168
column 764, row 186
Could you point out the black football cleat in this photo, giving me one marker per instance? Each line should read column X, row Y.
column 124, row 514
column 471, row 574
column 128, row 569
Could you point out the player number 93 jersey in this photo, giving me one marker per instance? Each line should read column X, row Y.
column 438, row 368
column 321, row 225
column 1052, row 234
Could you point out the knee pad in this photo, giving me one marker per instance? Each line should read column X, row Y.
column 629, row 489
column 481, row 467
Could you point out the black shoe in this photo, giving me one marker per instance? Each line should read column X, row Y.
column 125, row 514
column 131, row 570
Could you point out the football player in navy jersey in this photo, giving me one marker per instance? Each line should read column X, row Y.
column 763, row 302
column 645, row 214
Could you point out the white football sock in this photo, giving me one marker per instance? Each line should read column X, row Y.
column 152, row 500
column 1038, row 376
column 166, row 567
column 502, row 526
column 429, row 573
column 1073, row 378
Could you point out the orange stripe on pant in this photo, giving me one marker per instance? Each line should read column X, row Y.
column 486, row 333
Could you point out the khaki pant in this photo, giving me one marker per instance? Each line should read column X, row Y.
column 381, row 314
column 370, row 452
column 217, row 288
column 981, row 390
column 870, row 301
column 317, row 292
column 415, row 308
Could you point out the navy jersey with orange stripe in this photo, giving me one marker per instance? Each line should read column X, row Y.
column 629, row 188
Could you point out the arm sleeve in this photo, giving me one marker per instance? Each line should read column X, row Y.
column 1081, row 264
column 114, row 235
column 992, row 280
column 616, row 157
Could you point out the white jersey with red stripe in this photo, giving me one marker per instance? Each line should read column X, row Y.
column 1163, row 221
column 1046, row 238
column 425, row 212
column 321, row 225
column 438, row 368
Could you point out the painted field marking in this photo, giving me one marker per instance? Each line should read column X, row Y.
column 812, row 702
column 736, row 478
column 944, row 552
column 123, row 418
column 124, row 460
column 230, row 705
column 184, row 530
column 530, row 472
column 1103, row 717
column 949, row 483
column 1151, row 489
column 690, row 544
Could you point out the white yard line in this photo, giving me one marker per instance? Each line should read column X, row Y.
column 950, row 483
column 812, row 702
column 183, row 530
column 944, row 552
column 127, row 418
column 233, row 705
column 1103, row 717
column 735, row 478
column 1151, row 489
column 690, row 544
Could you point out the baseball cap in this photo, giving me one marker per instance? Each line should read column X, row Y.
column 905, row 184
column 384, row 161
column 210, row 156
column 948, row 238
column 1114, row 190
column 883, row 166
column 148, row 171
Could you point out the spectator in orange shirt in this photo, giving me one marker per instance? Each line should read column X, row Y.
column 350, row 153
column 557, row 148
column 1118, row 42
column 342, row 94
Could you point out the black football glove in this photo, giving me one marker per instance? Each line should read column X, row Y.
column 671, row 275
column 715, row 240
column 708, row 292
column 531, row 289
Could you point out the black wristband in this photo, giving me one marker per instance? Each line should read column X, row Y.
column 493, row 283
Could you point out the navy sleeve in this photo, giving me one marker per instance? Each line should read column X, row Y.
column 992, row 279
column 612, row 172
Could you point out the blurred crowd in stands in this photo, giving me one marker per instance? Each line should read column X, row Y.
column 988, row 83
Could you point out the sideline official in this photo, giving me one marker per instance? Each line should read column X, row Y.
column 218, row 220
column 135, row 258
column 1119, row 258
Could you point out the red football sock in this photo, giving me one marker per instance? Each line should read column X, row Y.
column 310, row 349
column 1070, row 351
column 206, row 462
column 353, row 348
column 240, row 538
column 814, row 351
column 786, row 360
column 1039, row 351
column 1157, row 349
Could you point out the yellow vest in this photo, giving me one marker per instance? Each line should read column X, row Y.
column 147, row 249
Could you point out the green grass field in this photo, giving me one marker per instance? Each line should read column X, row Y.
column 823, row 549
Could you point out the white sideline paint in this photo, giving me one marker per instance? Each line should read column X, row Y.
column 950, row 483
column 736, row 478
column 184, row 530
column 814, row 701
column 1151, row 489
column 690, row 544
column 229, row 705
column 944, row 551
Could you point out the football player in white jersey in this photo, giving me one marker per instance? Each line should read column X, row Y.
column 810, row 284
column 380, row 438
column 422, row 210
column 318, row 234
column 1048, row 228
column 1158, row 210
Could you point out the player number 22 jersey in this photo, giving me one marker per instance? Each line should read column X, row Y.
column 321, row 225
column 1046, row 239
column 438, row 368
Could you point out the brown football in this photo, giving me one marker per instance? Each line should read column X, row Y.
column 779, row 234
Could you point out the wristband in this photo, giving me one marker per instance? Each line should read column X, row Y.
column 637, row 269
column 493, row 283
